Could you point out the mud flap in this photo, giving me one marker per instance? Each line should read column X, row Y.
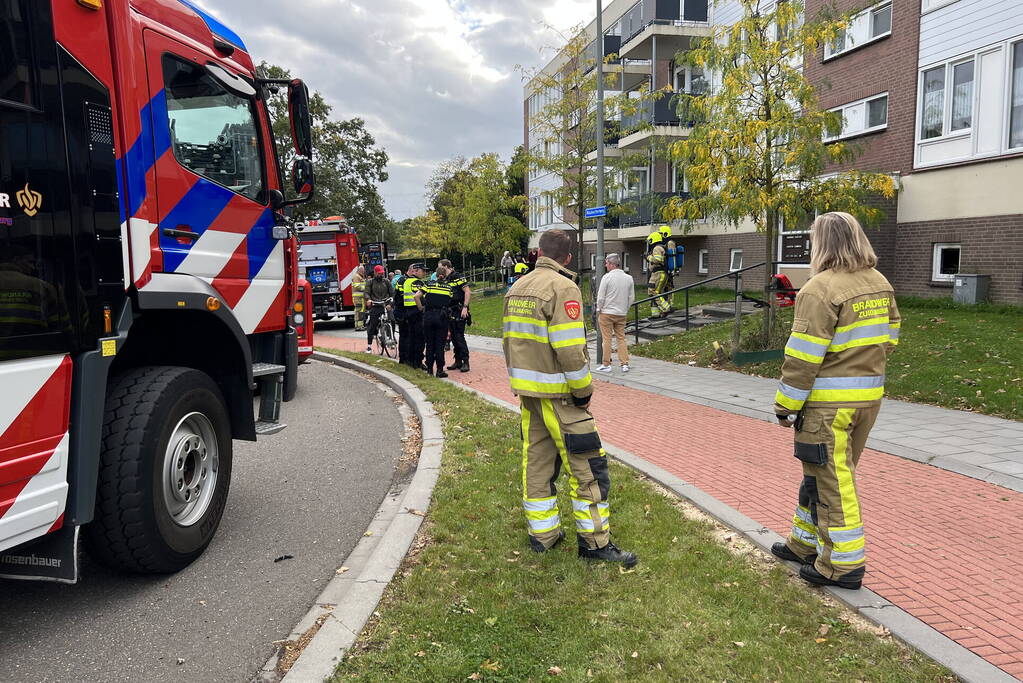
column 54, row 557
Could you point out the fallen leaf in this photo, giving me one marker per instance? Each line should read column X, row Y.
column 554, row 671
column 490, row 621
column 341, row 570
column 202, row 602
column 368, row 533
column 820, row 640
column 491, row 665
column 738, row 643
column 823, row 630
column 623, row 570
column 475, row 676
column 180, row 661
column 635, row 654
column 420, row 654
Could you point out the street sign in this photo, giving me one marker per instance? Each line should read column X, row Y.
column 596, row 212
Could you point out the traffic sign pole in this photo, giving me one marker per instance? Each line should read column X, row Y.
column 600, row 171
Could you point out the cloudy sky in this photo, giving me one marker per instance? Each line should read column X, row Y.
column 432, row 78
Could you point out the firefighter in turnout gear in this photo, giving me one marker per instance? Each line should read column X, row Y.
column 548, row 367
column 410, row 320
column 658, row 282
column 672, row 255
column 434, row 300
column 846, row 323
column 359, row 296
column 458, row 316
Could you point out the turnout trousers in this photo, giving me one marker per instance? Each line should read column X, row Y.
column 459, row 346
column 657, row 284
column 435, row 334
column 827, row 520
column 556, row 434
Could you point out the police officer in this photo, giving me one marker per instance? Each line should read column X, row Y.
column 658, row 282
column 548, row 367
column 410, row 320
column 359, row 296
column 458, row 316
column 434, row 301
column 846, row 323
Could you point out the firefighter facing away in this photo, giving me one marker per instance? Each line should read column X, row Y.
column 545, row 351
column 846, row 323
column 359, row 296
column 658, row 282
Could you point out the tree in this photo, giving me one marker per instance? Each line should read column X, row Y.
column 426, row 237
column 565, row 129
column 759, row 149
column 348, row 165
column 482, row 214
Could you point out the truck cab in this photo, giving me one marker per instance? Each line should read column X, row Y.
column 147, row 278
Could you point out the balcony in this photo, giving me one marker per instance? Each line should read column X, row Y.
column 611, row 46
column 676, row 22
column 658, row 118
column 612, row 133
column 644, row 209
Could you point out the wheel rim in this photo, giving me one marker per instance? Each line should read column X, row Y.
column 190, row 469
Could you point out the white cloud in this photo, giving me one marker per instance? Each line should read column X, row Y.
column 432, row 78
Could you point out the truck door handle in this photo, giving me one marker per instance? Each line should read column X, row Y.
column 181, row 232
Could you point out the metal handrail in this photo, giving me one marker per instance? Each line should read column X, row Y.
column 733, row 274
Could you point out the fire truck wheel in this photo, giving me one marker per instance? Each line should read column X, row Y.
column 164, row 471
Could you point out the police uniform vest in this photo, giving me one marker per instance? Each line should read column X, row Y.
column 436, row 295
column 408, row 286
column 457, row 281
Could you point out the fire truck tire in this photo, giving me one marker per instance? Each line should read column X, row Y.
column 164, row 472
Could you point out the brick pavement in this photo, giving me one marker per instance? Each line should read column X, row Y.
column 940, row 545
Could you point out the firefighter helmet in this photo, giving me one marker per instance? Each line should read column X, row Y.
column 665, row 231
column 654, row 238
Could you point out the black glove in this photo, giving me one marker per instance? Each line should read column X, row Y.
column 784, row 420
column 581, row 402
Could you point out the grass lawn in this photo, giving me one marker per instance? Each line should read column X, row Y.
column 474, row 603
column 486, row 311
column 964, row 357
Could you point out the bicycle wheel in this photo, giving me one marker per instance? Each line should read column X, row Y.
column 390, row 345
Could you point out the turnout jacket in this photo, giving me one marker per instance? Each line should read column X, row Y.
column 845, row 326
column 544, row 337
column 656, row 258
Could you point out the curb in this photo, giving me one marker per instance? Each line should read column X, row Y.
column 966, row 665
column 348, row 601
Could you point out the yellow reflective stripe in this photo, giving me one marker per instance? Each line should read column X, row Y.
column 790, row 403
column 540, row 516
column 879, row 320
column 525, row 447
column 866, row 341
column 524, row 319
column 844, row 395
column 812, row 339
column 895, row 325
column 581, row 383
column 567, row 326
column 803, row 355
column 846, row 485
column 894, row 341
column 550, row 419
column 511, row 334
column 849, row 546
column 805, row 526
column 539, row 387
column 568, row 342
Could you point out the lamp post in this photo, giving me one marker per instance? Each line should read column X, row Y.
column 599, row 270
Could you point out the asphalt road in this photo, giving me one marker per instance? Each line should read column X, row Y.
column 309, row 491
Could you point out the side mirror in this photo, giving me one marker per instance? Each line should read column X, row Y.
column 301, row 121
column 302, row 178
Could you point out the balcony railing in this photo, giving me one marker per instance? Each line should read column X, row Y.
column 645, row 208
column 612, row 134
column 660, row 112
column 612, row 44
column 662, row 13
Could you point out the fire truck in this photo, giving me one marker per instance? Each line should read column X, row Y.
column 147, row 278
column 328, row 257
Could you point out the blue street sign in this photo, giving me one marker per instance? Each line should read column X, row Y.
column 596, row 212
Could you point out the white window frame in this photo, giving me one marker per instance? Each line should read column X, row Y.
column 830, row 54
column 701, row 261
column 732, row 253
column 674, row 179
column 866, row 118
column 593, row 261
column 1010, row 49
column 946, row 114
column 931, row 5
column 625, row 260
column 936, row 275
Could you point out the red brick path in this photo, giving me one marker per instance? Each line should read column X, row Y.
column 940, row 545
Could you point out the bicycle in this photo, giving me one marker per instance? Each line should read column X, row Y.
column 385, row 342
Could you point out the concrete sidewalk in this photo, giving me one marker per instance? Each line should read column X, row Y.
column 979, row 446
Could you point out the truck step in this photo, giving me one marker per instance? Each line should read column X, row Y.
column 264, row 369
column 268, row 428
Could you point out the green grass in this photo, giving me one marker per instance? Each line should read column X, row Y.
column 963, row 357
column 474, row 603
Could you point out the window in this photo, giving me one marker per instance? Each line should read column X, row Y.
column 213, row 131
column 625, row 261
column 947, row 100
column 928, row 5
column 16, row 63
column 638, row 181
column 962, row 96
column 702, row 262
column 864, row 116
column 678, row 179
column 933, row 106
column 549, row 209
column 593, row 261
column 945, row 264
column 1016, row 106
column 863, row 29
column 735, row 259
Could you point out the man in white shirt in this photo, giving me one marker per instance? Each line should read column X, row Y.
column 616, row 295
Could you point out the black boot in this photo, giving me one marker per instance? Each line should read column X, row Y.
column 441, row 373
column 782, row 551
column 539, row 547
column 609, row 553
column 455, row 365
column 465, row 365
column 853, row 580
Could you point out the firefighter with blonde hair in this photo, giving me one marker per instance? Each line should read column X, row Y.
column 846, row 323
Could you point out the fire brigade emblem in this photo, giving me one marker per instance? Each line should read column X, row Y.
column 573, row 309
column 30, row 201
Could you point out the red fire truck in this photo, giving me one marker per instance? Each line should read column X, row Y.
column 328, row 257
column 147, row 278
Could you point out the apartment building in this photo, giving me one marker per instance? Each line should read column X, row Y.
column 931, row 91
